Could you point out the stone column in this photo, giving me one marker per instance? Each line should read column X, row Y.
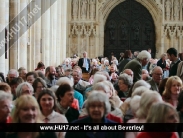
column 2, row 27
column 63, row 29
column 13, row 46
column 37, row 35
column 45, row 32
column 53, row 34
column 59, row 7
column 22, row 48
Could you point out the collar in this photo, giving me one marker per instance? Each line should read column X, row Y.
column 174, row 62
column 50, row 116
column 63, row 110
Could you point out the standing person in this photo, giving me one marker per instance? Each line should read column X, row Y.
column 136, row 64
column 173, row 56
column 84, row 63
column 50, row 76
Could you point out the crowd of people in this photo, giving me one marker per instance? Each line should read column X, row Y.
column 100, row 90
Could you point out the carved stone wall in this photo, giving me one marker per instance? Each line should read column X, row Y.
column 87, row 20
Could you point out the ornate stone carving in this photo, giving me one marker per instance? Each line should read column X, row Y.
column 168, row 7
column 84, row 5
column 176, row 9
column 92, row 9
column 75, row 8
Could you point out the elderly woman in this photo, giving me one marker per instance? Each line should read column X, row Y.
column 5, row 107
column 27, row 111
column 24, row 88
column 166, row 114
column 124, row 83
column 65, row 96
column 39, row 84
column 98, row 107
column 47, row 104
column 172, row 89
column 147, row 99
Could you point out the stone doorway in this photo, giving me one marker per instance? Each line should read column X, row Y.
column 129, row 26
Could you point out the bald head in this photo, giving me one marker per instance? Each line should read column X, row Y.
column 129, row 72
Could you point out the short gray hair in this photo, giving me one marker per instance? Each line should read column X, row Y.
column 126, row 79
column 98, row 96
column 19, row 88
column 98, row 78
column 155, row 68
column 54, row 88
column 147, row 99
column 5, row 96
column 13, row 71
column 64, row 80
column 101, row 85
column 141, row 83
column 144, row 55
column 134, row 103
column 139, row 91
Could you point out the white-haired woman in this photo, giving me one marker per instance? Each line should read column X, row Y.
column 147, row 99
column 97, row 107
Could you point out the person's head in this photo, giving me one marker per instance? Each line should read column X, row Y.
column 139, row 91
column 105, row 73
column 128, row 54
column 24, row 89
column 129, row 72
column 41, row 74
column 40, row 66
column 77, row 75
column 14, row 83
column 144, row 71
column 106, row 62
column 136, row 53
column 149, row 50
column 124, row 82
column 67, row 62
column 113, row 68
column 46, row 100
column 39, row 84
column 65, row 95
column 26, row 110
column 103, row 87
column 97, row 105
column 172, row 54
column 162, row 113
column 94, row 71
column 50, row 72
column 144, row 57
column 157, row 74
column 172, row 87
column 12, row 73
column 147, row 99
column 163, row 56
column 5, row 105
column 68, row 72
column 22, row 73
column 121, row 54
column 98, row 78
column 85, row 54
column 64, row 80
column 30, row 77
column 141, row 83
column 180, row 102
column 5, row 87
column 134, row 104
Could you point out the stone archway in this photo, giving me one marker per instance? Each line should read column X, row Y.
column 151, row 6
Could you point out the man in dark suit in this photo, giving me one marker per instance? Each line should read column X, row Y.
column 157, row 74
column 136, row 64
column 173, row 56
column 84, row 63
